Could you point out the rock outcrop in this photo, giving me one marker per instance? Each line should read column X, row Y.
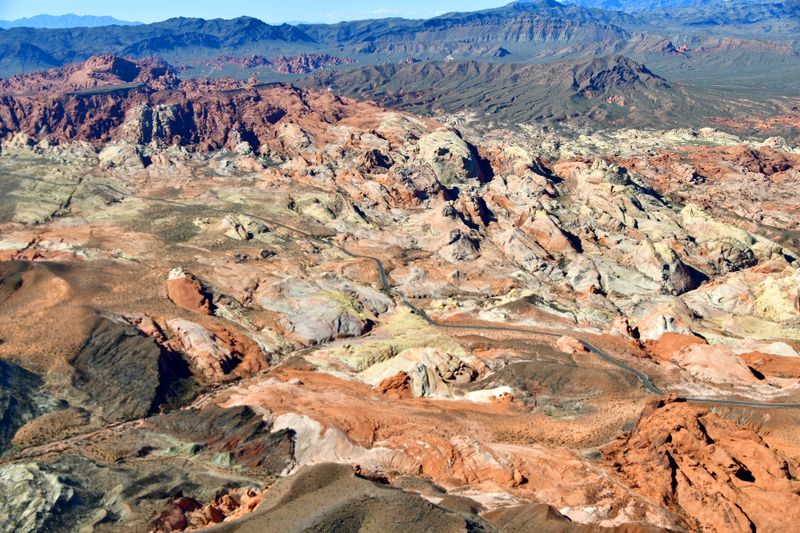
column 305, row 63
column 186, row 291
column 30, row 497
column 720, row 476
column 188, row 514
column 451, row 158
column 424, row 372
column 216, row 354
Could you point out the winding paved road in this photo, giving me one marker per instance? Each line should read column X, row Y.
column 643, row 378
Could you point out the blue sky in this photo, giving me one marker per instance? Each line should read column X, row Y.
column 269, row 10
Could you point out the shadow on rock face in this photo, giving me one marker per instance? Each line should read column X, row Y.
column 127, row 374
column 17, row 402
column 542, row 517
column 238, row 432
column 330, row 497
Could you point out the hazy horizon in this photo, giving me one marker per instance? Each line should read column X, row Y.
column 148, row 11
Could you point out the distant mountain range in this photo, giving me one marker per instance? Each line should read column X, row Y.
column 64, row 21
column 729, row 12
column 681, row 39
column 702, row 12
column 632, row 6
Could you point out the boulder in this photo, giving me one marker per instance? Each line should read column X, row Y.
column 187, row 292
column 570, row 345
column 123, row 156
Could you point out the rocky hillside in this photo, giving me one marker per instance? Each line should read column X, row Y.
column 608, row 91
column 108, row 97
column 104, row 72
column 668, row 455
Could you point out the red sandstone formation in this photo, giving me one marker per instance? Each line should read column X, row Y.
column 397, row 386
column 719, row 475
column 188, row 514
column 186, row 291
column 96, row 72
column 108, row 98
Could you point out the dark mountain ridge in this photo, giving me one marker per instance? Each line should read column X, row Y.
column 702, row 12
column 611, row 89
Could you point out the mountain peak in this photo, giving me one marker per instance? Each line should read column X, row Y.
column 614, row 73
